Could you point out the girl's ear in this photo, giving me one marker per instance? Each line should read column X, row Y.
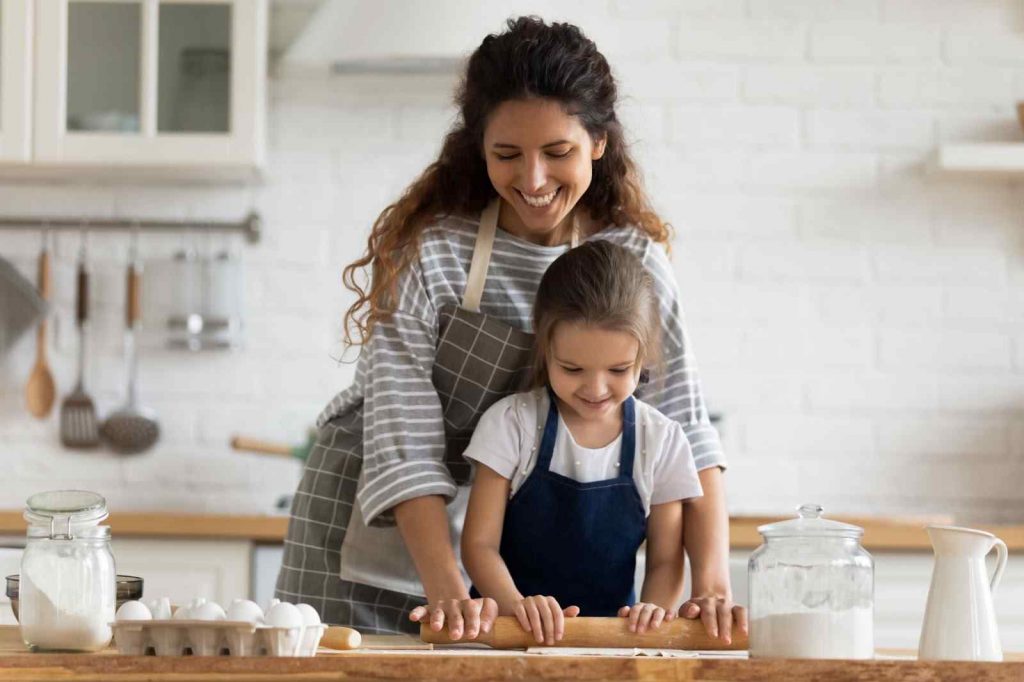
column 599, row 147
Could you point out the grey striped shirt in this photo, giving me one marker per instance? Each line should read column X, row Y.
column 403, row 436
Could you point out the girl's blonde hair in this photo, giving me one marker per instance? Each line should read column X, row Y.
column 602, row 285
column 530, row 59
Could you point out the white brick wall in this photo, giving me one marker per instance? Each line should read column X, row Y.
column 858, row 321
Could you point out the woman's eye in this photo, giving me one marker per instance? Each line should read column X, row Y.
column 560, row 154
column 503, row 157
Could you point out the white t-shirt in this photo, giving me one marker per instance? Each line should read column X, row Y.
column 507, row 439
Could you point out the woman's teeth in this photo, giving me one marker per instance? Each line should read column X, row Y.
column 539, row 201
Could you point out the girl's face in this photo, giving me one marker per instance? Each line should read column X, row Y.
column 592, row 370
column 539, row 161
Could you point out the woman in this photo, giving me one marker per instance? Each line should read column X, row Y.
column 536, row 162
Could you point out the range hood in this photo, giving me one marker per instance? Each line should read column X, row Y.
column 401, row 36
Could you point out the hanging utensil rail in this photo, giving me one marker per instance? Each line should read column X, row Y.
column 250, row 226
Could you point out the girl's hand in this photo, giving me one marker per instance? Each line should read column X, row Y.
column 473, row 615
column 643, row 616
column 718, row 614
column 544, row 617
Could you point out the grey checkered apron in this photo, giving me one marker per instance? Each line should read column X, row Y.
column 479, row 360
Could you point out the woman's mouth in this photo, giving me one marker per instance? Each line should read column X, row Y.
column 539, row 200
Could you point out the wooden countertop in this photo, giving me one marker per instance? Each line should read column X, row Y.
column 176, row 525
column 17, row 664
column 880, row 533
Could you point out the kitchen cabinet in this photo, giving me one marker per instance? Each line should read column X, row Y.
column 15, row 80
column 181, row 569
column 139, row 88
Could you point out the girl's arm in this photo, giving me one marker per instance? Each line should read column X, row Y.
column 663, row 577
column 706, row 529
column 481, row 539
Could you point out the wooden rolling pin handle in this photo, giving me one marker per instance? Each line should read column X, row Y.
column 597, row 632
column 341, row 638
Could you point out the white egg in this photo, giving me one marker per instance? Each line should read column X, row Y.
column 134, row 610
column 243, row 609
column 183, row 613
column 309, row 614
column 160, row 608
column 284, row 615
column 208, row 610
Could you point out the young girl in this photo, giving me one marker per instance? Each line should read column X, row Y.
column 575, row 474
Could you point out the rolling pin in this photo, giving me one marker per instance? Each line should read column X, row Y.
column 680, row 633
column 341, row 638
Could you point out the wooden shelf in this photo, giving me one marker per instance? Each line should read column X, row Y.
column 1005, row 158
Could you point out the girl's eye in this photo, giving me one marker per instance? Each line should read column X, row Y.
column 571, row 370
column 620, row 370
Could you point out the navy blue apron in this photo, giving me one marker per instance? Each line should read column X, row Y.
column 577, row 541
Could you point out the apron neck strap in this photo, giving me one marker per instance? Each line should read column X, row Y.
column 627, row 451
column 481, row 256
column 482, row 253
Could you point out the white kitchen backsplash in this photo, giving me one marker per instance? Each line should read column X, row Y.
column 858, row 321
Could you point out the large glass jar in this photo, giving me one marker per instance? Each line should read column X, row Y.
column 811, row 590
column 68, row 581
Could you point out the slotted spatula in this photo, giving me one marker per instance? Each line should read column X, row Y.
column 78, row 427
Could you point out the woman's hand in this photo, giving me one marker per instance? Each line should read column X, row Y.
column 543, row 617
column 718, row 614
column 643, row 616
column 470, row 615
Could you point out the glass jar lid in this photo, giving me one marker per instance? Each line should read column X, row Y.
column 810, row 524
column 71, row 507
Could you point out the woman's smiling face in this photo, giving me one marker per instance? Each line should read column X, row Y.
column 539, row 160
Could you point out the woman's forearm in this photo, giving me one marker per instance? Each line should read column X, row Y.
column 491, row 577
column 423, row 524
column 706, row 537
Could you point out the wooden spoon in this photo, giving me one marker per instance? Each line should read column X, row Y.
column 40, row 392
column 597, row 632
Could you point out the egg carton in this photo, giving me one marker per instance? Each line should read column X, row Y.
column 214, row 638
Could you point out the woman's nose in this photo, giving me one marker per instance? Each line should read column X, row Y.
column 536, row 175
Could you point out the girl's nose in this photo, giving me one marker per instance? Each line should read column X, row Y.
column 597, row 388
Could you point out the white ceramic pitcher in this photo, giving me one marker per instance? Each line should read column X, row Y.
column 959, row 620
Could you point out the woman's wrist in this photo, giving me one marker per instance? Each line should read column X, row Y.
column 717, row 591
column 447, row 585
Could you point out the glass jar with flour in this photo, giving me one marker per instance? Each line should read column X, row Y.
column 811, row 590
column 68, row 581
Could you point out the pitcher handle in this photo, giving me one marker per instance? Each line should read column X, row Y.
column 1000, row 562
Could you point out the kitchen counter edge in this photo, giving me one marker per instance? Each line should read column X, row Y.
column 880, row 533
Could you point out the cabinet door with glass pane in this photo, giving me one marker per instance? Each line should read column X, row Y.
column 15, row 80
column 150, row 83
